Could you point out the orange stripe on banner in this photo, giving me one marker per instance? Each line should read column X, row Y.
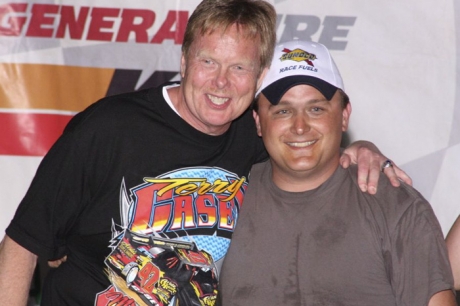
column 44, row 88
column 37, row 86
column 30, row 134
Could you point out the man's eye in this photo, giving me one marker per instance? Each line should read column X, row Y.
column 281, row 112
column 316, row 109
column 240, row 69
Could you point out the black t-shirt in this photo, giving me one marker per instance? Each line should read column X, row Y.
column 129, row 163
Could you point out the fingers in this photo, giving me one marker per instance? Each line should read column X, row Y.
column 345, row 160
column 402, row 176
column 368, row 169
column 375, row 166
column 57, row 263
column 54, row 263
column 396, row 175
column 372, row 179
column 390, row 172
column 370, row 163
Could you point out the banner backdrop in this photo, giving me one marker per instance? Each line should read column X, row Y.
column 399, row 60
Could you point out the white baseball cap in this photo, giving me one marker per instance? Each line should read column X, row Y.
column 301, row 62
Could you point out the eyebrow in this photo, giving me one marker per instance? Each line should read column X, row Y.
column 200, row 54
column 312, row 101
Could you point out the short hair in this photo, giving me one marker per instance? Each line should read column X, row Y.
column 343, row 96
column 255, row 18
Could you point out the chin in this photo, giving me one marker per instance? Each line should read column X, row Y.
column 302, row 168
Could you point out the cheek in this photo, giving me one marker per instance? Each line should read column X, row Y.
column 332, row 125
column 271, row 130
column 245, row 83
column 334, row 129
column 196, row 74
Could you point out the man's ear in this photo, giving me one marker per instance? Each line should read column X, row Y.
column 256, row 119
column 261, row 78
column 346, row 113
column 183, row 65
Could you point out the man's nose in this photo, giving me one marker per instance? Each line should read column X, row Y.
column 300, row 124
column 221, row 78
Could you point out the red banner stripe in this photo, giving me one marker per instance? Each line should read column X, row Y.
column 26, row 134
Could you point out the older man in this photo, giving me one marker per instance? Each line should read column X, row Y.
column 143, row 190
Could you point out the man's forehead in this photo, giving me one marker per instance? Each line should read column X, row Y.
column 238, row 31
column 218, row 43
column 305, row 101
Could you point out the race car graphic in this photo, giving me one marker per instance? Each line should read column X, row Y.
column 163, row 271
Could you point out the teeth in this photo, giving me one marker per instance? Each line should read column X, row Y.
column 301, row 144
column 217, row 100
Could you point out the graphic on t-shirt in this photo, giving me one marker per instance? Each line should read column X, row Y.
column 175, row 229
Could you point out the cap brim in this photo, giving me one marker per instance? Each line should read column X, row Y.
column 275, row 91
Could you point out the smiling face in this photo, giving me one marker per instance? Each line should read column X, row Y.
column 302, row 134
column 220, row 76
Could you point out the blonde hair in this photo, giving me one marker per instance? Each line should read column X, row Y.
column 256, row 19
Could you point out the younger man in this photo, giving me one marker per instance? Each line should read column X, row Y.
column 307, row 235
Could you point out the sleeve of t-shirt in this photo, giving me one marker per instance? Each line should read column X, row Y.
column 58, row 192
column 419, row 262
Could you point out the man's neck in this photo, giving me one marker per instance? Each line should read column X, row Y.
column 303, row 180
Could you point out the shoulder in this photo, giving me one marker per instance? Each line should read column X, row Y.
column 113, row 105
column 395, row 203
column 259, row 181
column 112, row 110
column 386, row 191
column 260, row 170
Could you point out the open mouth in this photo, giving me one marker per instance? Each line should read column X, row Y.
column 217, row 100
column 301, row 144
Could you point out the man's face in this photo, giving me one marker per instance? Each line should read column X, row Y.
column 219, row 79
column 302, row 134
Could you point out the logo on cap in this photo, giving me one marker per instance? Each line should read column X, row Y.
column 298, row 55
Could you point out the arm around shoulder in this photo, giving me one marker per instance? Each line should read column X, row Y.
column 17, row 266
column 370, row 161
